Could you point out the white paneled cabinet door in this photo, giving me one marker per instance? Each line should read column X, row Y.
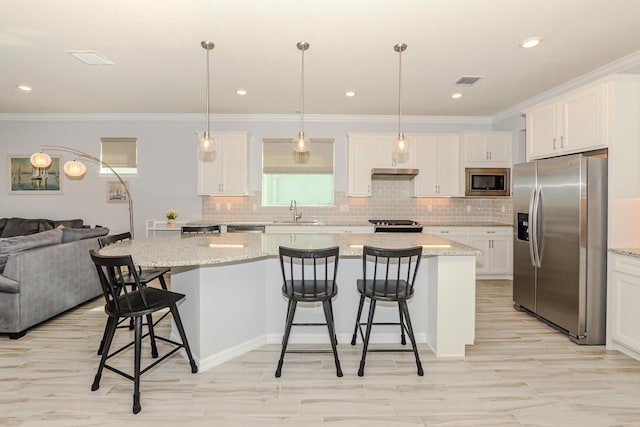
column 583, row 120
column 623, row 300
column 497, row 246
column 485, row 149
column 438, row 164
column 542, row 131
column 481, row 242
column 225, row 171
column 501, row 255
column 361, row 158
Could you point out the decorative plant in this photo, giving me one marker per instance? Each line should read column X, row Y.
column 172, row 214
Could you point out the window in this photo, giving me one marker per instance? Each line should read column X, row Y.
column 305, row 177
column 119, row 153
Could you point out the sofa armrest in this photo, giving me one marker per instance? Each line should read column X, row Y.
column 8, row 286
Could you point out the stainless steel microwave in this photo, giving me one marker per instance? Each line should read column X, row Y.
column 487, row 182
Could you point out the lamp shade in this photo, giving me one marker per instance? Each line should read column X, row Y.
column 401, row 144
column 74, row 168
column 301, row 143
column 206, row 142
column 40, row 160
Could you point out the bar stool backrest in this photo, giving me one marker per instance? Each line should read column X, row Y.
column 112, row 271
column 309, row 273
column 392, row 271
column 113, row 238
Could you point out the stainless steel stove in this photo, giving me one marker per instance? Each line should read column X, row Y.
column 396, row 226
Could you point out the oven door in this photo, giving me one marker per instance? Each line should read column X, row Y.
column 487, row 182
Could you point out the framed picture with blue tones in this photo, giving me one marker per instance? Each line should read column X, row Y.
column 24, row 178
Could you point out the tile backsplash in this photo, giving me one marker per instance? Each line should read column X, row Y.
column 390, row 199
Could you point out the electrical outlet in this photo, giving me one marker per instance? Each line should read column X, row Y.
column 228, row 206
column 344, row 208
column 468, row 208
column 504, row 209
column 217, row 206
column 254, row 207
column 429, row 208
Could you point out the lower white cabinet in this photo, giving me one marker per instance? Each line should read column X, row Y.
column 318, row 229
column 623, row 302
column 496, row 244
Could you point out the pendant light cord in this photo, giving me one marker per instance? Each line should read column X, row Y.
column 400, row 93
column 207, row 80
column 302, row 95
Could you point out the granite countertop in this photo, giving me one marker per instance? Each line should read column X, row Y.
column 634, row 252
column 179, row 250
column 350, row 223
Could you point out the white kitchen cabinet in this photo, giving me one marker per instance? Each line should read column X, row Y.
column 361, row 161
column 438, row 163
column 573, row 123
column 485, row 149
column 457, row 234
column 225, row 171
column 497, row 246
column 623, row 300
column 384, row 152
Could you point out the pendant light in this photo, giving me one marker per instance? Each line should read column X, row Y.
column 206, row 142
column 301, row 143
column 401, row 144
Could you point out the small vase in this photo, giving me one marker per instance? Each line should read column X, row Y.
column 171, row 223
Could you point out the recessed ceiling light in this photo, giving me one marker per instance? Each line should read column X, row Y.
column 456, row 95
column 24, row 88
column 530, row 42
column 89, row 57
column 350, row 93
column 241, row 92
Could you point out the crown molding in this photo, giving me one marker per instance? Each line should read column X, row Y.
column 245, row 118
column 614, row 67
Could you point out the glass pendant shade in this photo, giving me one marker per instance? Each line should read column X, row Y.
column 301, row 143
column 206, row 143
column 401, row 144
column 40, row 160
column 74, row 168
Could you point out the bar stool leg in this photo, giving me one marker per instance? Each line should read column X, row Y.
column 183, row 337
column 403, row 341
column 355, row 331
column 136, row 364
column 372, row 309
column 163, row 283
column 328, row 314
column 291, row 311
column 112, row 324
column 403, row 305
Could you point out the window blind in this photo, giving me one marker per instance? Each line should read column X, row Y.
column 119, row 152
column 278, row 156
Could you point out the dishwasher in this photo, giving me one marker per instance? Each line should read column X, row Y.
column 245, row 228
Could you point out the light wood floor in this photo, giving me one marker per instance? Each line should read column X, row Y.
column 519, row 372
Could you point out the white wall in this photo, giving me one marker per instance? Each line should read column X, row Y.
column 166, row 158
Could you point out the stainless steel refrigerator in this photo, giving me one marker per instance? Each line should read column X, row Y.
column 560, row 243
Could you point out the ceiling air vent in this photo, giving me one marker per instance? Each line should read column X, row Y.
column 468, row 80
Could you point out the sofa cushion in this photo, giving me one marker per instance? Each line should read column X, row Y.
column 3, row 222
column 68, row 223
column 8, row 286
column 73, row 234
column 22, row 243
column 24, row 227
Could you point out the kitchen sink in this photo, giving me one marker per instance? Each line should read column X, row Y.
column 310, row 222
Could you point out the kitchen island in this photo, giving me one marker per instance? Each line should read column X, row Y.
column 234, row 305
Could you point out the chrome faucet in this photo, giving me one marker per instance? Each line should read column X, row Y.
column 293, row 206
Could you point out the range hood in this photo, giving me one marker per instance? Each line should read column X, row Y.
column 393, row 173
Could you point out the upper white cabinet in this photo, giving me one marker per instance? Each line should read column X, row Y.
column 374, row 150
column 437, row 161
column 485, row 149
column 225, row 171
column 573, row 123
column 361, row 160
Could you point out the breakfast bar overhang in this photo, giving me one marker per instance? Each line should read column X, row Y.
column 234, row 304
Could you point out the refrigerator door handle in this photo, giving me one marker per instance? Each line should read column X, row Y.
column 533, row 237
column 532, row 257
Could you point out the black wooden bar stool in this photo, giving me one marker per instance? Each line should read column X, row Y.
column 145, row 276
column 387, row 275
column 309, row 275
column 121, row 302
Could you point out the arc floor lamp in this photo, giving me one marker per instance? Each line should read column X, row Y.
column 76, row 169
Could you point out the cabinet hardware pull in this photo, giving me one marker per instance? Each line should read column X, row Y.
column 562, row 142
column 554, row 143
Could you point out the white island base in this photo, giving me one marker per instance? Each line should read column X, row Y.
column 232, row 308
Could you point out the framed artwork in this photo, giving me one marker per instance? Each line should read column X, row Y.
column 116, row 192
column 26, row 179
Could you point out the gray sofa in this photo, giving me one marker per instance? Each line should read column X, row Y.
column 44, row 272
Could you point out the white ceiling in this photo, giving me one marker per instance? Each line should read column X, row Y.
column 159, row 66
